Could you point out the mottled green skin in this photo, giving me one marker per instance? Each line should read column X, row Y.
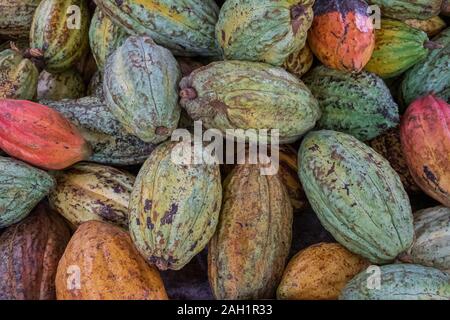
column 141, row 89
column 57, row 86
column 356, row 194
column 359, row 104
column 52, row 32
column 174, row 208
column 408, row 9
column 186, row 27
column 18, row 76
column 21, row 188
column 431, row 245
column 104, row 37
column 263, row 30
column 110, row 143
column 430, row 75
column 399, row 282
column 16, row 17
column 250, row 95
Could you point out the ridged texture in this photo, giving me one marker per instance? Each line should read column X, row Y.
column 21, row 189
column 263, row 30
column 29, row 255
column 104, row 37
column 186, row 27
column 408, row 9
column 16, row 18
column 110, row 143
column 141, row 86
column 425, row 140
column 398, row 47
column 60, row 32
column 102, row 257
column 247, row 255
column 18, row 76
column 431, row 74
column 358, row 104
column 299, row 62
column 90, row 191
column 431, row 245
column 319, row 272
column 39, row 135
column 389, row 146
column 400, row 282
column 174, row 208
column 430, row 26
column 249, row 95
column 356, row 194
column 66, row 85
column 342, row 34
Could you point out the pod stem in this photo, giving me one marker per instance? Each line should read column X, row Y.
column 432, row 45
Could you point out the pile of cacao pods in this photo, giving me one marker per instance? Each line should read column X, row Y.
column 93, row 206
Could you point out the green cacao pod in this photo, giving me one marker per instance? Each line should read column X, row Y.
column 109, row 141
column 356, row 194
column 57, row 86
column 174, row 208
column 397, row 48
column 90, row 191
column 263, row 30
column 432, row 239
column 18, row 76
column 358, row 104
column 431, row 75
column 399, row 282
column 408, row 9
column 21, row 188
column 29, row 254
column 431, row 27
column 249, row 95
column 16, row 17
column 247, row 255
column 186, row 27
column 140, row 87
column 60, row 31
column 299, row 62
column 104, row 37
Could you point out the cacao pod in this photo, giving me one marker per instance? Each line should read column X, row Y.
column 357, row 104
column 400, row 282
column 397, row 48
column 57, row 86
column 174, row 207
column 430, row 26
column 60, row 31
column 16, row 17
column 21, row 189
column 299, row 62
column 29, row 255
column 425, row 141
column 186, row 27
column 407, row 9
column 342, row 34
column 389, row 146
column 110, row 143
column 110, row 268
column 356, row 194
column 140, row 87
column 319, row 272
column 90, row 191
column 432, row 239
column 249, row 95
column 18, row 76
column 39, row 135
column 247, row 255
column 430, row 75
column 104, row 37
column 263, row 30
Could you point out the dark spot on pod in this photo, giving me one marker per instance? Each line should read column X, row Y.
column 168, row 215
column 138, row 222
column 314, row 148
column 118, row 188
column 188, row 93
column 148, row 205
column 223, row 35
column 150, row 225
column 162, row 131
column 429, row 174
column 297, row 12
column 119, row 2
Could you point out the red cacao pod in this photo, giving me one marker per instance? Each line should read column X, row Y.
column 40, row 135
column 425, row 138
